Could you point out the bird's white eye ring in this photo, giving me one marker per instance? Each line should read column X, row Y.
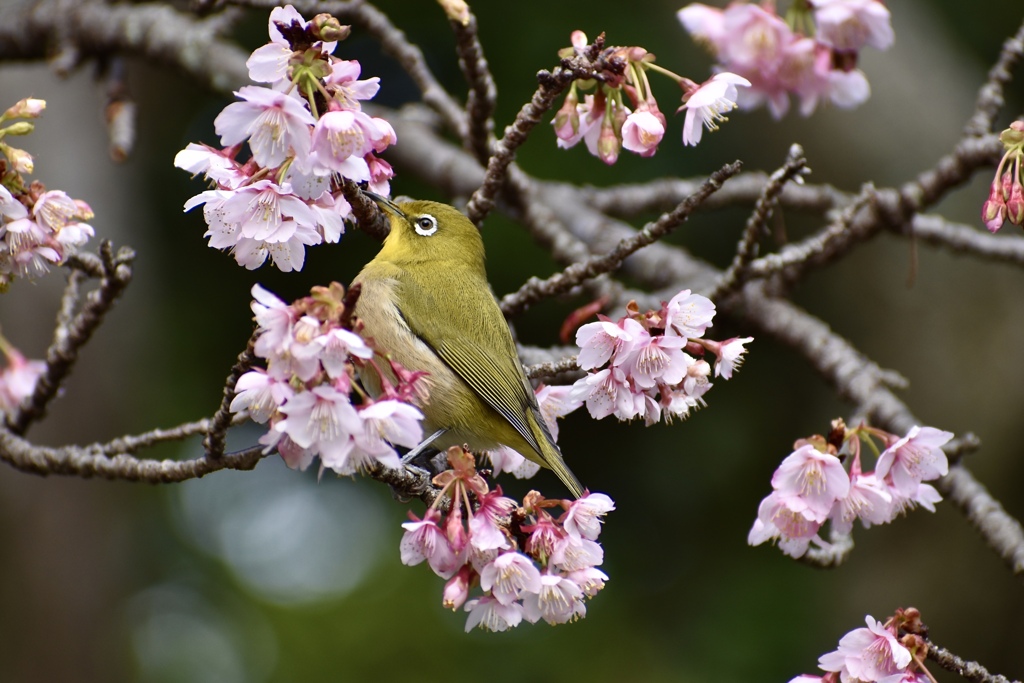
column 425, row 225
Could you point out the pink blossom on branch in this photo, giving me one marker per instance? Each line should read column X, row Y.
column 301, row 150
column 708, row 104
column 549, row 576
column 812, row 486
column 655, row 369
column 778, row 60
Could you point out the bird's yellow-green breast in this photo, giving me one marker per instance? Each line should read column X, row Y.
column 426, row 301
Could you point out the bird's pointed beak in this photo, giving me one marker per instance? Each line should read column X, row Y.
column 384, row 203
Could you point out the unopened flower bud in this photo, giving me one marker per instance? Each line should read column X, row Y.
column 1015, row 205
column 993, row 211
column 83, row 212
column 1013, row 136
column 567, row 120
column 457, row 589
column 608, row 143
column 328, row 29
column 21, row 161
column 28, row 108
column 455, row 10
column 19, row 128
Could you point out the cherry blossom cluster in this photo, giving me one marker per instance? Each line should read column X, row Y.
column 38, row 227
column 18, row 379
column 604, row 120
column 306, row 131
column 652, row 365
column 892, row 652
column 812, row 486
column 811, row 54
column 305, row 392
column 535, row 561
column 1006, row 198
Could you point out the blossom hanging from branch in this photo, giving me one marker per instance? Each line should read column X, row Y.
column 307, row 133
column 38, row 227
column 604, row 120
column 782, row 57
column 655, row 366
column 305, row 392
column 535, row 561
column 812, row 486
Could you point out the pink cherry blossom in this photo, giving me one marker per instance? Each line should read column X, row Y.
column 384, row 423
column 816, row 478
column 689, row 315
column 559, row 600
column 276, row 125
column 849, row 25
column 606, row 392
column 260, row 394
column 642, row 132
column 705, row 23
column 604, row 340
column 214, row 164
column 319, row 417
column 340, row 140
column 485, row 530
column 346, row 87
column 456, row 591
column 505, row 459
column 656, row 360
column 923, row 495
column 730, row 356
column 337, row 346
column 868, row 500
column 574, row 552
column 583, row 518
column 269, row 63
column 589, row 114
column 555, row 402
column 867, row 654
column 591, row 580
column 915, row 458
column 509, row 575
column 424, row 540
column 18, row 380
column 789, row 520
column 491, row 615
column 708, row 104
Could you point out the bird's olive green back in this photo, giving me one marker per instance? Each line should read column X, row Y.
column 447, row 302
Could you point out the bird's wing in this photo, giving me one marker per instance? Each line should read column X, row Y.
column 480, row 351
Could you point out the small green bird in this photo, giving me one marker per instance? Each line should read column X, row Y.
column 426, row 301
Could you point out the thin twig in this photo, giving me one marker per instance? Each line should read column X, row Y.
column 826, row 244
column 629, row 199
column 990, row 95
column 736, row 274
column 63, row 351
column 221, row 420
column 536, row 289
column 586, row 64
column 85, row 462
column 482, row 91
column 972, row 671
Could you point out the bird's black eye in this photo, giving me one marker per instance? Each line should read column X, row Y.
column 425, row 225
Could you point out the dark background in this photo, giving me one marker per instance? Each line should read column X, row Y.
column 272, row 576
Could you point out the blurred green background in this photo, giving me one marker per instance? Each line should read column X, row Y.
column 272, row 576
